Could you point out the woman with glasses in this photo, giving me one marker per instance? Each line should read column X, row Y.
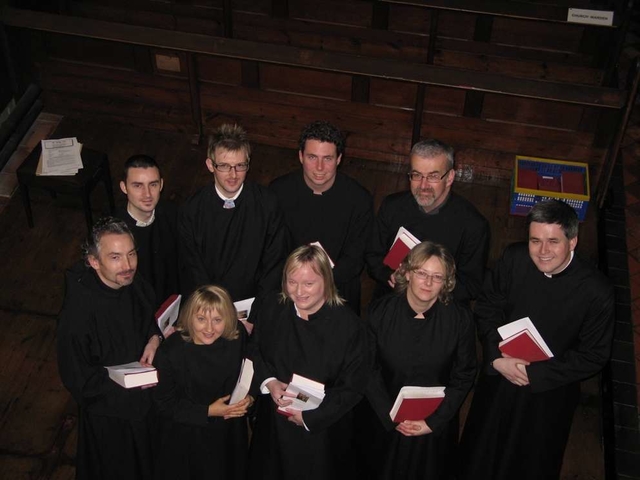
column 421, row 338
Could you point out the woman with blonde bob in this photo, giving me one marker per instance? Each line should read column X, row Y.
column 306, row 330
column 421, row 338
column 201, row 435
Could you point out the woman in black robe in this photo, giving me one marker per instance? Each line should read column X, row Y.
column 308, row 331
column 421, row 338
column 202, row 437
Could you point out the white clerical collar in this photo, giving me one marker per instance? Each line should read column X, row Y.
column 140, row 223
column 550, row 275
column 227, row 198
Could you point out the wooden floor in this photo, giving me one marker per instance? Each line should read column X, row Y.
column 37, row 416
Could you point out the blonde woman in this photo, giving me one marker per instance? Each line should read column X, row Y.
column 202, row 436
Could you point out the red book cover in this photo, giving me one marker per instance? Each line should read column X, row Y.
column 523, row 345
column 417, row 408
column 167, row 314
column 396, row 254
column 548, row 184
column 527, row 179
column 573, row 182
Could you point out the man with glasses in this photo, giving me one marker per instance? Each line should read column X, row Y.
column 232, row 232
column 431, row 211
column 321, row 204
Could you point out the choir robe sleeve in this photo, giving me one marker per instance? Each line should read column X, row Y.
column 87, row 381
column 348, row 388
column 471, row 259
column 277, row 245
column 463, row 374
column 193, row 270
column 381, row 239
column 169, row 398
column 590, row 353
column 351, row 261
column 490, row 310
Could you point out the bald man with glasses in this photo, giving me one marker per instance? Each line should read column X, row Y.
column 431, row 211
column 232, row 232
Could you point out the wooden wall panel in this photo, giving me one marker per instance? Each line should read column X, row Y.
column 444, row 100
column 407, row 18
column 131, row 13
column 341, row 12
column 528, row 33
column 543, row 70
column 226, row 71
column 391, row 93
column 530, row 111
column 276, row 118
column 307, row 82
column 87, row 50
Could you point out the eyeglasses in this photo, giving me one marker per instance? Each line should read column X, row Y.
column 225, row 167
column 423, row 275
column 431, row 178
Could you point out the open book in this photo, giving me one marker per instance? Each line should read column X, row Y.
column 402, row 245
column 167, row 314
column 416, row 403
column 131, row 375
column 521, row 339
column 243, row 307
column 308, row 394
column 244, row 382
column 318, row 244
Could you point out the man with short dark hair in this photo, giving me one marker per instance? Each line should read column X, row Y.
column 431, row 211
column 521, row 413
column 108, row 319
column 153, row 222
column 232, row 232
column 322, row 204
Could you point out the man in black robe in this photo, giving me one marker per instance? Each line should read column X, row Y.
column 521, row 413
column 154, row 224
column 107, row 319
column 232, row 232
column 322, row 205
column 431, row 211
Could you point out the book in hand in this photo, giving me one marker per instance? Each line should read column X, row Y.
column 318, row 244
column 402, row 245
column 308, row 394
column 521, row 339
column 416, row 403
column 243, row 307
column 167, row 314
column 244, row 382
column 131, row 375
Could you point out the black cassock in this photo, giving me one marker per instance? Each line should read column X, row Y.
column 521, row 432
column 340, row 219
column 329, row 348
column 242, row 249
column 100, row 327
column 192, row 444
column 157, row 246
column 457, row 225
column 438, row 350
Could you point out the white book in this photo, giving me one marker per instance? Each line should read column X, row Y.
column 308, row 394
column 318, row 244
column 244, row 382
column 131, row 375
column 243, row 307
column 525, row 323
column 407, row 237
